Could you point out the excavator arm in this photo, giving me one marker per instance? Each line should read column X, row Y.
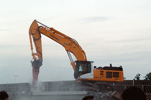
column 70, row 45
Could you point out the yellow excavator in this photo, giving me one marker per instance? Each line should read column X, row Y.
column 83, row 69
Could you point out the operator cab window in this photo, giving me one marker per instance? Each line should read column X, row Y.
column 80, row 68
column 85, row 68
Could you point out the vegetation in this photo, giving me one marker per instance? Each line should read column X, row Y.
column 137, row 77
column 148, row 76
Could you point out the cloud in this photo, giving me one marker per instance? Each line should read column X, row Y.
column 94, row 19
column 132, row 40
column 4, row 29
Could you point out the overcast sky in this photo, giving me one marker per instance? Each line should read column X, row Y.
column 109, row 31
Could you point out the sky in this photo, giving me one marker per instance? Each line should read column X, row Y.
column 109, row 31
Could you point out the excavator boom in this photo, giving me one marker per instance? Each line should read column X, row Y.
column 70, row 45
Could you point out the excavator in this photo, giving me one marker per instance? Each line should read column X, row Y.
column 83, row 69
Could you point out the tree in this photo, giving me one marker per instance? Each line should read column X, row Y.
column 137, row 77
column 148, row 76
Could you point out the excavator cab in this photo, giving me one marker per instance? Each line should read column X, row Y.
column 82, row 67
